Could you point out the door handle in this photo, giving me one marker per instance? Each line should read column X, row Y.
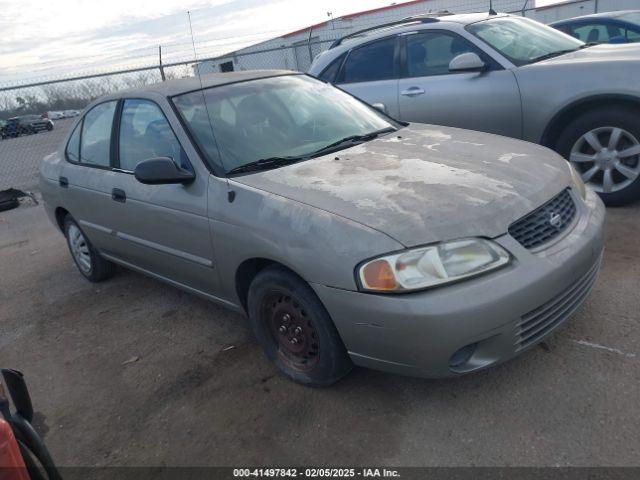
column 412, row 92
column 63, row 182
column 118, row 195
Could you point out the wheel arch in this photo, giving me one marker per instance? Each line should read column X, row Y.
column 61, row 213
column 247, row 271
column 552, row 131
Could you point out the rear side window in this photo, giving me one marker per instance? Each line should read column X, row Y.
column 329, row 73
column 145, row 133
column 95, row 145
column 73, row 147
column 374, row 61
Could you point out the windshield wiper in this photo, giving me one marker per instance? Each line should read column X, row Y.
column 275, row 162
column 265, row 164
column 557, row 53
column 350, row 140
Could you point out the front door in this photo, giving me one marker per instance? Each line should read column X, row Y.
column 162, row 229
column 488, row 101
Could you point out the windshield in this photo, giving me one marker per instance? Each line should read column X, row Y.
column 632, row 17
column 287, row 116
column 523, row 41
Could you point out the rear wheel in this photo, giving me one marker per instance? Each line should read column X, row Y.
column 91, row 265
column 604, row 147
column 295, row 329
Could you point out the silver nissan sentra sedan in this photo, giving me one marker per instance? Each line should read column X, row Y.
column 345, row 236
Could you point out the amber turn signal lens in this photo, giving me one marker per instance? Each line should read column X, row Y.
column 378, row 275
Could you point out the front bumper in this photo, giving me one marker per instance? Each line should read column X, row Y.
column 503, row 313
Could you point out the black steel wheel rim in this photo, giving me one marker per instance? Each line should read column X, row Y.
column 292, row 330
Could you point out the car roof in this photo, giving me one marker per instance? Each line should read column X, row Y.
column 613, row 16
column 170, row 88
column 417, row 22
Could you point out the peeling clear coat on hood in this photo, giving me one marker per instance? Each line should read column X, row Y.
column 425, row 183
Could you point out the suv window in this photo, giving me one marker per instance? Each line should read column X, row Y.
column 429, row 53
column 145, row 133
column 633, row 35
column 329, row 73
column 95, row 146
column 597, row 33
column 374, row 61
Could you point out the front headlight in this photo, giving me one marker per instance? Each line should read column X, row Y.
column 426, row 267
column 578, row 183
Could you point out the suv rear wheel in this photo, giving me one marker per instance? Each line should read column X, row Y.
column 604, row 147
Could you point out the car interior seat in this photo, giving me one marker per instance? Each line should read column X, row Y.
column 594, row 35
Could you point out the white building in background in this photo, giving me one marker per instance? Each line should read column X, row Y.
column 295, row 50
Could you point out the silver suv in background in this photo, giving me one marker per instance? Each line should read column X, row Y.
column 506, row 75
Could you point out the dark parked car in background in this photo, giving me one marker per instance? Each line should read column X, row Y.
column 3, row 123
column 26, row 125
column 611, row 27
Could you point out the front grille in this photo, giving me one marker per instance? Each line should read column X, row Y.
column 545, row 223
column 537, row 323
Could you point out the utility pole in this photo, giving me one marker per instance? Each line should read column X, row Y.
column 309, row 46
column 160, row 63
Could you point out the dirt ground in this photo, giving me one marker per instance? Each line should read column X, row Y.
column 134, row 372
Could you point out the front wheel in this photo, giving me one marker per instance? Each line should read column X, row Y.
column 295, row 330
column 91, row 265
column 604, row 147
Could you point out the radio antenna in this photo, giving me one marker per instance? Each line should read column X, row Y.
column 491, row 10
column 231, row 195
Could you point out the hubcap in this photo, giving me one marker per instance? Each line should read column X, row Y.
column 607, row 158
column 292, row 330
column 80, row 249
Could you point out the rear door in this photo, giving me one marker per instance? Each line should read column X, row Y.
column 87, row 175
column 429, row 93
column 370, row 72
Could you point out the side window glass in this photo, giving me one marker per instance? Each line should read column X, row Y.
column 374, row 61
column 329, row 73
column 96, row 135
column 593, row 33
column 633, row 36
column 73, row 147
column 145, row 133
column 430, row 53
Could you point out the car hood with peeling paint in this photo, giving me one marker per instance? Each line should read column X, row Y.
column 425, row 183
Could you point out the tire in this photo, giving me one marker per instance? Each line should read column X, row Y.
column 318, row 358
column 89, row 262
column 610, row 171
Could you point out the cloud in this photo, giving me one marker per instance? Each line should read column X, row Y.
column 62, row 38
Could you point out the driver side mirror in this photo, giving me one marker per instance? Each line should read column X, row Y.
column 467, row 62
column 161, row 171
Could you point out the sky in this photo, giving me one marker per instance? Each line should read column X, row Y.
column 44, row 39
